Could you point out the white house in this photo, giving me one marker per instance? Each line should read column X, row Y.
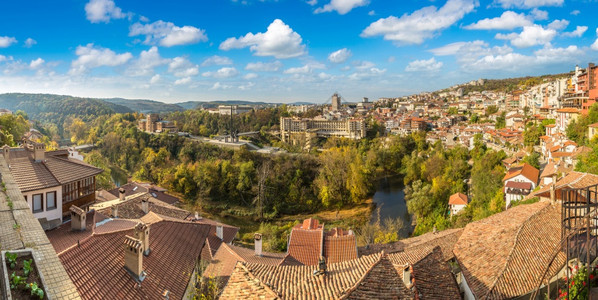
column 457, row 202
column 519, row 181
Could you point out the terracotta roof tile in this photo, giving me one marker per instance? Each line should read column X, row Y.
column 527, row 170
column 305, row 245
column 382, row 281
column 97, row 265
column 502, row 256
column 433, row 278
column 458, row 199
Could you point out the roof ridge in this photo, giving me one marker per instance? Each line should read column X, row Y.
column 257, row 280
column 84, row 164
column 510, row 256
column 381, row 256
column 229, row 249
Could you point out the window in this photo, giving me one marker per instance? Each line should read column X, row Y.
column 38, row 203
column 50, row 200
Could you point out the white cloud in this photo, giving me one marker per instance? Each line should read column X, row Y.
column 575, row 12
column 279, row 41
column 367, row 74
column 429, row 65
column 468, row 53
column 34, row 64
column 528, row 3
column 341, row 6
column 92, row 57
column 307, row 68
column 530, row 36
column 226, row 72
column 219, row 86
column 339, row 56
column 578, row 32
column 508, row 20
column 325, row 76
column 250, row 76
column 595, row 44
column 6, row 41
column 391, row 59
column 363, row 65
column 264, row 67
column 509, row 61
column 312, row 2
column 167, row 34
column 422, row 24
column 558, row 25
column 247, row 86
column 182, row 67
column 552, row 55
column 102, row 11
column 182, row 81
column 538, row 14
column 155, row 79
column 146, row 62
column 371, row 13
column 29, row 42
column 216, row 61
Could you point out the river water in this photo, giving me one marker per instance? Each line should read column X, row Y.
column 390, row 200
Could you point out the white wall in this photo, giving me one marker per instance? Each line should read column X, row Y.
column 465, row 288
column 456, row 208
column 48, row 214
column 513, row 197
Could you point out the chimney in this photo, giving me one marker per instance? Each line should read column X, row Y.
column 121, row 194
column 219, row 232
column 6, row 151
column 39, row 151
column 258, row 244
column 407, row 276
column 145, row 205
column 552, row 193
column 77, row 218
column 197, row 217
column 322, row 265
column 115, row 211
column 142, row 233
column 134, row 257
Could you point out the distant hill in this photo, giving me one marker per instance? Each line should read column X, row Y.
column 56, row 109
column 511, row 84
column 215, row 103
column 146, row 106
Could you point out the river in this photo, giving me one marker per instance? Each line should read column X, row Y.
column 390, row 199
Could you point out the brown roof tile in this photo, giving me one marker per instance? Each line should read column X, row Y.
column 458, row 199
column 97, row 265
column 527, row 170
column 305, row 245
column 503, row 256
column 433, row 278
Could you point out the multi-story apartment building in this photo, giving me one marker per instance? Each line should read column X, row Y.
column 349, row 128
column 233, row 109
column 51, row 181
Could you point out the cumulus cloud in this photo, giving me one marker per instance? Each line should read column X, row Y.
column 575, row 12
column 339, row 56
column 508, row 20
column 422, row 24
column 182, row 81
column 279, row 41
column 34, row 64
column 341, row 6
column 578, row 32
column 226, row 72
column 167, row 34
column 307, row 68
column 530, row 36
column 554, row 55
column 147, row 61
column 102, row 11
column 6, row 41
column 528, row 3
column 182, row 67
column 538, row 14
column 595, row 44
column 264, row 67
column 558, row 24
column 249, row 76
column 220, row 86
column 367, row 74
column 155, row 79
column 29, row 42
column 469, row 52
column 90, row 57
column 429, row 65
column 216, row 61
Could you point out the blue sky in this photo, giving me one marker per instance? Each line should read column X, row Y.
column 285, row 50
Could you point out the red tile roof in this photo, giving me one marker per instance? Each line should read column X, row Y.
column 339, row 245
column 573, row 180
column 519, row 185
column 458, row 199
column 527, row 170
column 305, row 245
column 504, row 255
column 97, row 265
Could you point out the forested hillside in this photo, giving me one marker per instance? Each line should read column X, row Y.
column 145, row 106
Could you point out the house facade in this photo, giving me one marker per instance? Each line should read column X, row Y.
column 519, row 182
column 51, row 181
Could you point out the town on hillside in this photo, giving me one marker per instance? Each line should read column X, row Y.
column 499, row 188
